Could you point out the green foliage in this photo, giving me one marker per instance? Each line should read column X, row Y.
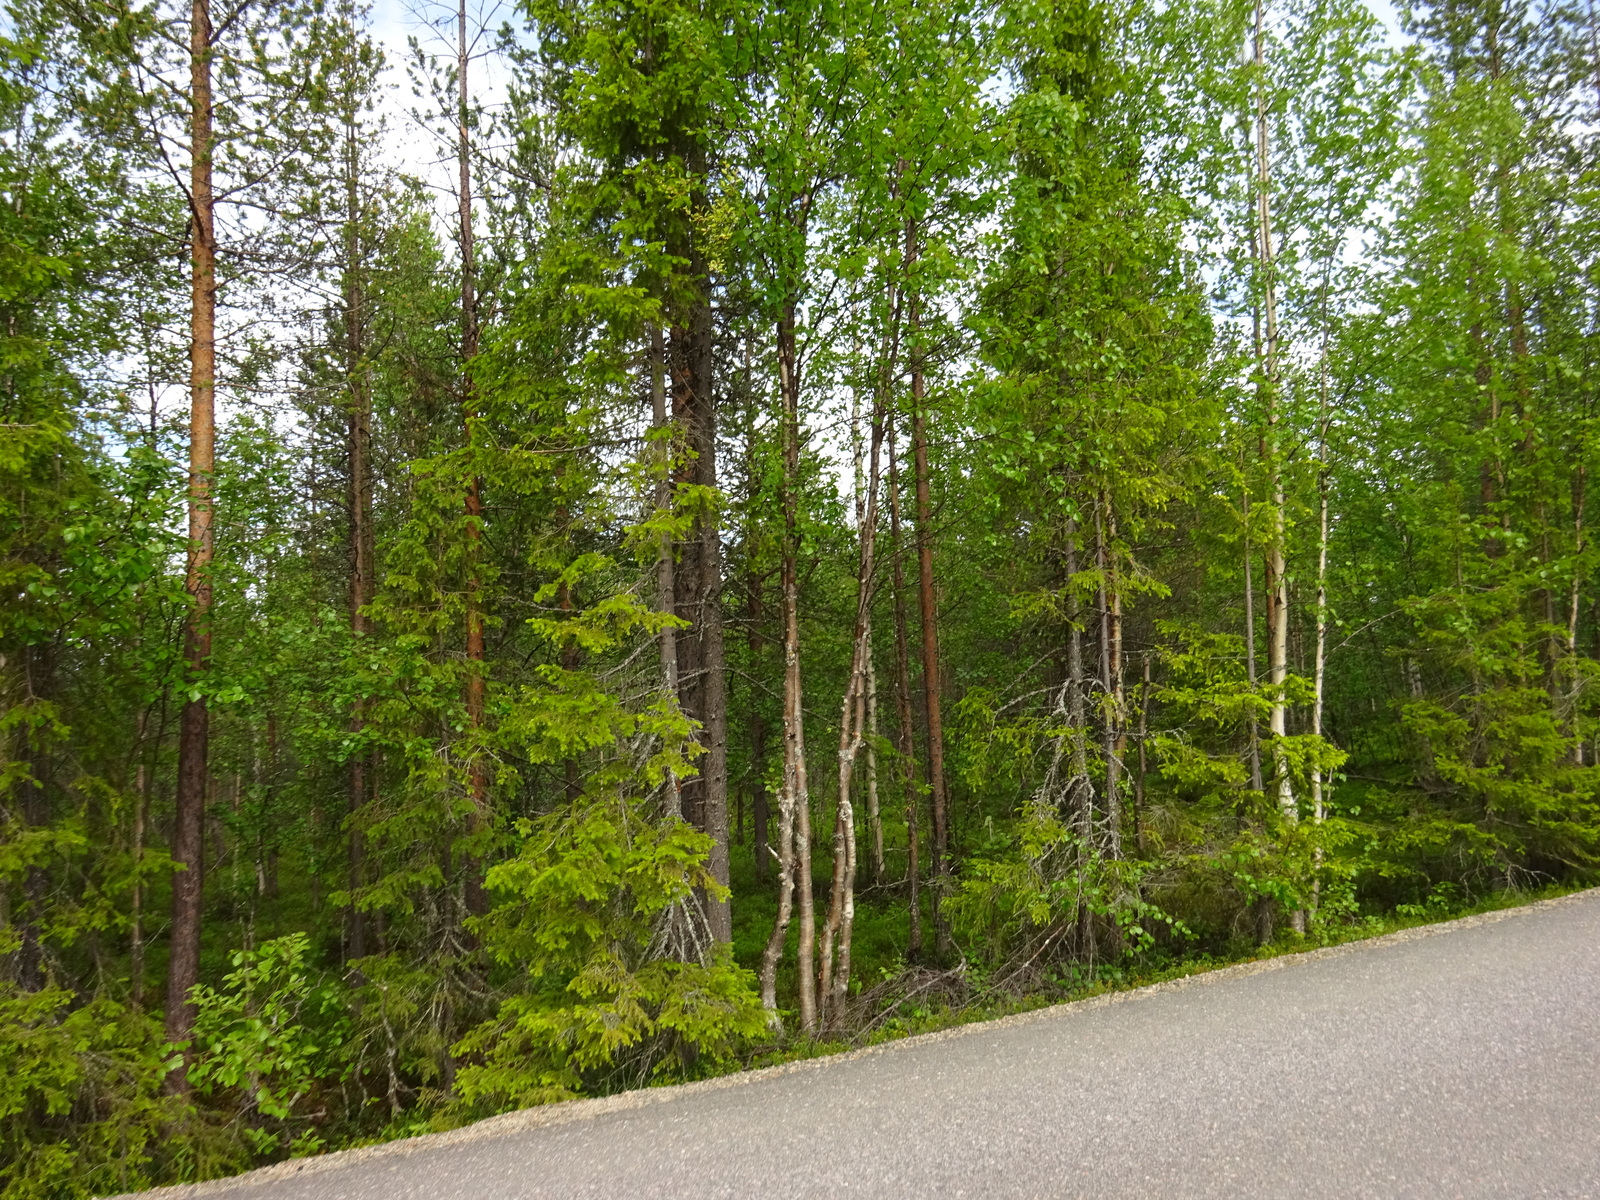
column 273, row 1037
column 83, row 1108
column 1025, row 906
column 439, row 883
column 595, row 913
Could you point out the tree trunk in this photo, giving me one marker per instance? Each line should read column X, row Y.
column 141, row 814
column 1250, row 649
column 702, row 660
column 39, row 673
column 666, row 585
column 1575, row 594
column 874, row 812
column 930, row 632
column 1491, row 473
column 1277, row 581
column 874, row 817
column 188, row 827
column 1110, row 681
column 1320, row 662
column 837, row 933
column 141, row 807
column 358, row 434
column 905, row 747
column 1319, row 669
column 714, row 662
column 476, row 899
column 794, row 801
column 761, row 806
column 1079, row 792
column 1138, row 779
column 1573, row 598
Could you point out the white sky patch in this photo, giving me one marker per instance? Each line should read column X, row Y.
column 411, row 146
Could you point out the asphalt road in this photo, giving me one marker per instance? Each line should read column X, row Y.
column 1459, row 1061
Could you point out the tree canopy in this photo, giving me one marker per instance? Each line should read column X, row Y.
column 719, row 527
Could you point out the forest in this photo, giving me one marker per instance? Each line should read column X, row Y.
column 604, row 542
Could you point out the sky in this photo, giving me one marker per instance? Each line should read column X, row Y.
column 433, row 24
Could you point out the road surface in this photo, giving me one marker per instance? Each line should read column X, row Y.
column 1458, row 1061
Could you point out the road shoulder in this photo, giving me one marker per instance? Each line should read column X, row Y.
column 522, row 1120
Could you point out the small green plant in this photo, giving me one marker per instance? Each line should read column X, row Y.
column 272, row 1037
column 619, row 980
column 82, row 1107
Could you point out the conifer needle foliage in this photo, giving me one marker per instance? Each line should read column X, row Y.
column 664, row 534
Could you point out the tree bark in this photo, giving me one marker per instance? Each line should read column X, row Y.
column 794, row 801
column 930, row 629
column 874, row 811
column 874, row 817
column 358, row 443
column 905, row 748
column 1319, row 668
column 1110, row 680
column 1081, row 797
column 1574, row 596
column 39, row 671
column 141, row 816
column 188, row 829
column 141, row 807
column 703, row 672
column 1320, row 661
column 838, row 930
column 475, row 897
column 1138, row 779
column 1079, row 792
column 714, row 691
column 666, row 583
column 761, row 806
column 1250, row 649
column 1277, row 581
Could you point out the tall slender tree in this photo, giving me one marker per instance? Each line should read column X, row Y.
column 183, row 960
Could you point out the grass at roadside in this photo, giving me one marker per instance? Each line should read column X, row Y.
column 912, row 1017
column 932, row 1018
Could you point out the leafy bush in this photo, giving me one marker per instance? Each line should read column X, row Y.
column 271, row 1039
column 617, row 977
column 82, row 1105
